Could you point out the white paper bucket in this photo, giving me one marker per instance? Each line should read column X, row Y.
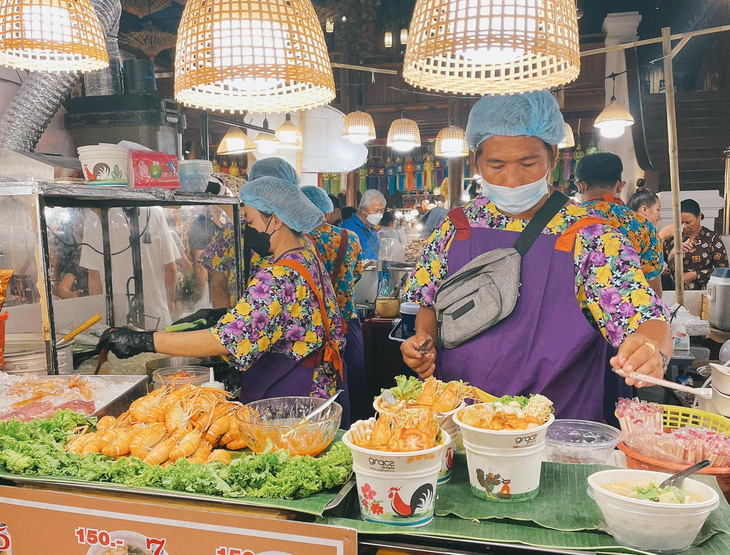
column 446, row 423
column 104, row 164
column 397, row 488
column 505, row 465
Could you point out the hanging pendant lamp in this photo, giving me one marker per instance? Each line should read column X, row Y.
column 249, row 55
column 451, row 142
column 404, row 135
column 569, row 140
column 51, row 35
column 492, row 46
column 266, row 143
column 289, row 135
column 358, row 128
column 235, row 142
column 614, row 119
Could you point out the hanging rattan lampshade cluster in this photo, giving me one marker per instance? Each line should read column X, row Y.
column 358, row 128
column 492, row 46
column 235, row 142
column 51, row 35
column 569, row 140
column 289, row 135
column 252, row 55
column 404, row 135
column 451, row 142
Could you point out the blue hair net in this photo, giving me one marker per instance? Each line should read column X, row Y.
column 319, row 198
column 274, row 167
column 278, row 196
column 533, row 114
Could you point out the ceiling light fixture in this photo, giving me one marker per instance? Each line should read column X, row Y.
column 388, row 39
column 492, row 46
column 614, row 119
column 358, row 128
column 289, row 135
column 248, row 55
column 52, row 36
column 451, row 142
column 404, row 135
column 236, row 141
column 569, row 139
column 266, row 143
column 404, row 35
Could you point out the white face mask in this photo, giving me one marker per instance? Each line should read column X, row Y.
column 516, row 200
column 374, row 219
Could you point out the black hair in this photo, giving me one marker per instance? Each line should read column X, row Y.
column 346, row 212
column 547, row 146
column 599, row 170
column 642, row 197
column 388, row 218
column 690, row 206
column 335, row 201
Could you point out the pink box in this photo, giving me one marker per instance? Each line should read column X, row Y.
column 153, row 169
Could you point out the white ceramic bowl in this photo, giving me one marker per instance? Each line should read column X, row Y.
column 720, row 401
column 642, row 524
column 104, row 164
column 720, row 378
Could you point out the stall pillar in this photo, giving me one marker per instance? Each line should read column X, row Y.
column 621, row 28
column 456, row 182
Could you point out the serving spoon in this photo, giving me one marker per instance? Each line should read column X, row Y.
column 321, row 408
column 704, row 392
column 677, row 479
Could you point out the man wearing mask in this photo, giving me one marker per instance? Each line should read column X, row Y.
column 579, row 286
column 364, row 222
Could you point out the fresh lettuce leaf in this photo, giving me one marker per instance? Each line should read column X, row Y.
column 407, row 388
column 507, row 399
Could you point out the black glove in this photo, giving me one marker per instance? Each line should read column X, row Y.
column 125, row 342
column 210, row 315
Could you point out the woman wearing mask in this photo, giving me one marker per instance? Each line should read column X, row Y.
column 581, row 282
column 286, row 332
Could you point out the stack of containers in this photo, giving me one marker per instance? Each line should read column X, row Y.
column 194, row 175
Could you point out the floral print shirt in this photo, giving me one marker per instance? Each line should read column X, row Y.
column 708, row 252
column 609, row 284
column 641, row 232
column 279, row 313
column 327, row 240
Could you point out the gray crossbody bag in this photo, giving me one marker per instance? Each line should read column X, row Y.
column 484, row 292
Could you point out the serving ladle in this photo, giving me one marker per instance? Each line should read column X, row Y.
column 677, row 479
column 321, row 408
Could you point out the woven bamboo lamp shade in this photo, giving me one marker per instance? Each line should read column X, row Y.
column 235, row 142
column 252, row 55
column 51, row 35
column 289, row 135
column 492, row 46
column 614, row 120
column 404, row 135
column 451, row 142
column 569, row 140
column 359, row 128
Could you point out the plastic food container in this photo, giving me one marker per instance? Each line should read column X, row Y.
column 646, row 525
column 180, row 376
column 104, row 164
column 721, row 401
column 408, row 313
column 397, row 488
column 580, row 441
column 269, row 420
column 504, row 465
column 720, row 378
column 194, row 175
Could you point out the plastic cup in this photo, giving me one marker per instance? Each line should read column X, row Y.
column 504, row 465
column 397, row 488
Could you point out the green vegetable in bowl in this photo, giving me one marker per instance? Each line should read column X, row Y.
column 669, row 494
column 406, row 388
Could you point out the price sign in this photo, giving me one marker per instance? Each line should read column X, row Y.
column 87, row 524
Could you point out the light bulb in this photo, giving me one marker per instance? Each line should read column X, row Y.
column 41, row 22
column 358, row 134
column 388, row 39
column 493, row 55
column 265, row 145
column 451, row 148
column 403, row 145
column 612, row 129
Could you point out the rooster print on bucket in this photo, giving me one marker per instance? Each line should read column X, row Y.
column 420, row 502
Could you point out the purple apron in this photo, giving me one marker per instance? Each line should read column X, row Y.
column 277, row 375
column 354, row 359
column 545, row 346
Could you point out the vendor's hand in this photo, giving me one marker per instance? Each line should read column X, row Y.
column 689, row 277
column 688, row 246
column 638, row 354
column 422, row 364
column 125, row 342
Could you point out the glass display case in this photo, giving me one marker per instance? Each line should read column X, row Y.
column 137, row 258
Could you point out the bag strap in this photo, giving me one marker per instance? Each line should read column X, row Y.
column 462, row 225
column 331, row 350
column 566, row 240
column 547, row 212
column 344, row 239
